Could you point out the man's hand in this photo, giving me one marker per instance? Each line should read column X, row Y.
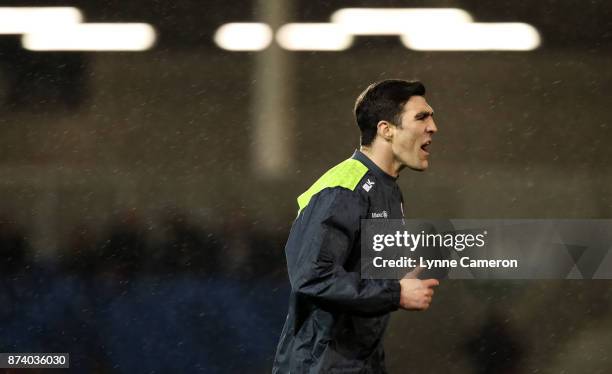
column 416, row 294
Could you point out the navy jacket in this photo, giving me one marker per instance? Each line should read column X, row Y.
column 336, row 320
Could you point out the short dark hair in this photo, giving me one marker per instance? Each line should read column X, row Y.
column 383, row 101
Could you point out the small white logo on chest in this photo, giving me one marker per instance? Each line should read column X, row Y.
column 368, row 185
column 382, row 214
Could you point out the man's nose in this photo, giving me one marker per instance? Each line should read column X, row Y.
column 431, row 127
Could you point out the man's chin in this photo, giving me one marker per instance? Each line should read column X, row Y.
column 422, row 167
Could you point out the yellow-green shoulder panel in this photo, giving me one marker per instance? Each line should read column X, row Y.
column 346, row 174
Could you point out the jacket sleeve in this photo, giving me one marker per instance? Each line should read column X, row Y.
column 319, row 245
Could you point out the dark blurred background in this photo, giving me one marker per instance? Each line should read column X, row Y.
column 145, row 197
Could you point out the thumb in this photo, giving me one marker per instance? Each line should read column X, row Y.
column 430, row 283
column 414, row 273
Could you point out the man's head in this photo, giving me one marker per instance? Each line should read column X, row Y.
column 394, row 116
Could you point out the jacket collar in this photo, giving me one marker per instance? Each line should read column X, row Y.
column 359, row 156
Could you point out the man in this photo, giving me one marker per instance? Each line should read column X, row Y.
column 336, row 320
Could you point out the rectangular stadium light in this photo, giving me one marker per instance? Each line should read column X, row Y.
column 473, row 37
column 20, row 20
column 388, row 21
column 243, row 36
column 92, row 37
column 313, row 37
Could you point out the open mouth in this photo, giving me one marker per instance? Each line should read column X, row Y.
column 425, row 146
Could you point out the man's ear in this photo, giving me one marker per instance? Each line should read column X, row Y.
column 385, row 130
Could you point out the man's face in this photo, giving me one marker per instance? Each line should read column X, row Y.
column 413, row 135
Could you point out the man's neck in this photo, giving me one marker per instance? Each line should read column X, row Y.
column 384, row 160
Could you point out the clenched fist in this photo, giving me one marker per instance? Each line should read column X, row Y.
column 416, row 294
